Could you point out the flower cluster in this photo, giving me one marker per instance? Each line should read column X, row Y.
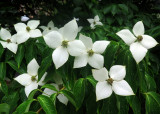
column 64, row 44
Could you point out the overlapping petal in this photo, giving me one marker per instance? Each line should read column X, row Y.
column 35, row 33
column 100, row 46
column 12, row 47
column 22, row 37
column 30, row 88
column 32, row 67
column 80, row 61
column 33, row 24
column 20, row 27
column 87, row 41
column 5, row 34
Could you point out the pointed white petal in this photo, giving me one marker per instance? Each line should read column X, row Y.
column 46, row 31
column 99, row 23
column 138, row 28
column 80, row 28
column 100, row 75
column 148, row 42
column 41, row 83
column 20, row 27
column 32, row 67
column 86, row 40
column 96, row 61
column 70, row 30
column 60, row 56
column 30, row 88
column 126, row 36
column 96, row 18
column 5, row 34
column 50, row 25
column 33, row 24
column 122, row 88
column 23, row 79
column 14, row 38
column 103, row 90
column 100, row 46
column 76, row 48
column 80, row 61
column 63, row 99
column 22, row 37
column 92, row 26
column 138, row 51
column 12, row 47
column 90, row 20
column 43, row 27
column 4, row 44
column 24, row 18
column 35, row 33
column 48, row 92
column 117, row 72
column 53, row 39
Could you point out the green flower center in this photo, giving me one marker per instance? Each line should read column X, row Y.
column 49, row 28
column 65, row 43
column 110, row 81
column 8, row 40
column 90, row 52
column 33, row 78
column 94, row 22
column 139, row 38
column 28, row 28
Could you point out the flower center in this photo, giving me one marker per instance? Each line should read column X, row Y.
column 28, row 28
column 49, row 28
column 8, row 40
column 33, row 78
column 65, row 43
column 110, row 81
column 90, row 52
column 139, row 38
column 94, row 22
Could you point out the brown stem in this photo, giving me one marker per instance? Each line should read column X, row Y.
column 39, row 110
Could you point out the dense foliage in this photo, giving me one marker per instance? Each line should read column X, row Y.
column 78, row 83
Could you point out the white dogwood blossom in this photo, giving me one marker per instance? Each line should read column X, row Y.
column 30, row 79
column 8, row 41
column 24, row 18
column 90, row 52
column 50, row 27
column 24, row 32
column 114, row 82
column 94, row 22
column 61, row 41
column 139, row 42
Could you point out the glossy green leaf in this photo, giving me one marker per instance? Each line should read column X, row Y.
column 49, row 86
column 91, row 80
column 2, row 70
column 4, row 108
column 47, row 104
column 4, row 87
column 1, row 50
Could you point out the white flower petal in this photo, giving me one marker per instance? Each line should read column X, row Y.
column 96, row 18
column 138, row 51
column 22, row 37
column 43, row 27
column 90, row 20
column 12, row 47
column 50, row 25
column 60, row 56
column 117, row 72
column 24, row 18
column 48, row 92
column 20, row 27
column 63, row 99
column 32, row 67
column 103, row 90
column 76, row 48
column 4, row 44
column 96, row 61
column 70, row 30
column 122, row 88
column 87, row 41
column 99, row 23
column 5, row 34
column 14, row 38
column 46, row 31
column 33, row 24
column 92, row 26
column 30, row 88
column 148, row 42
column 41, row 83
column 80, row 61
column 100, row 75
column 35, row 33
column 100, row 46
column 53, row 39
column 23, row 79
column 138, row 28
column 126, row 36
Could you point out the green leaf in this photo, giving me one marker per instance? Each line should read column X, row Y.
column 49, row 86
column 114, row 9
column 5, row 108
column 107, row 9
column 1, row 50
column 47, row 104
column 53, row 97
column 24, row 107
column 150, row 83
column 91, row 80
column 70, row 97
column 31, row 95
column 46, row 63
column 2, row 70
column 4, row 87
column 123, row 7
column 79, row 91
column 19, row 55
column 152, row 103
